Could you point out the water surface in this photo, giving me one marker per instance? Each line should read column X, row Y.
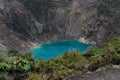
column 50, row 50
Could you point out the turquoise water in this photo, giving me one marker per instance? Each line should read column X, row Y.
column 55, row 49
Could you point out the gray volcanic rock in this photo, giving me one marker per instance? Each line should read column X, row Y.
column 112, row 74
column 24, row 23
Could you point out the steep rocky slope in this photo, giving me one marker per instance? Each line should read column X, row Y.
column 23, row 22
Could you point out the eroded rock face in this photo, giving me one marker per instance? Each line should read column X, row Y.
column 36, row 21
column 16, row 17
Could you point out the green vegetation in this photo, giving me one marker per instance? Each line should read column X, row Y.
column 77, row 13
column 24, row 66
column 3, row 51
column 37, row 7
column 56, row 4
column 34, row 5
column 108, row 7
column 109, row 1
column 36, row 35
